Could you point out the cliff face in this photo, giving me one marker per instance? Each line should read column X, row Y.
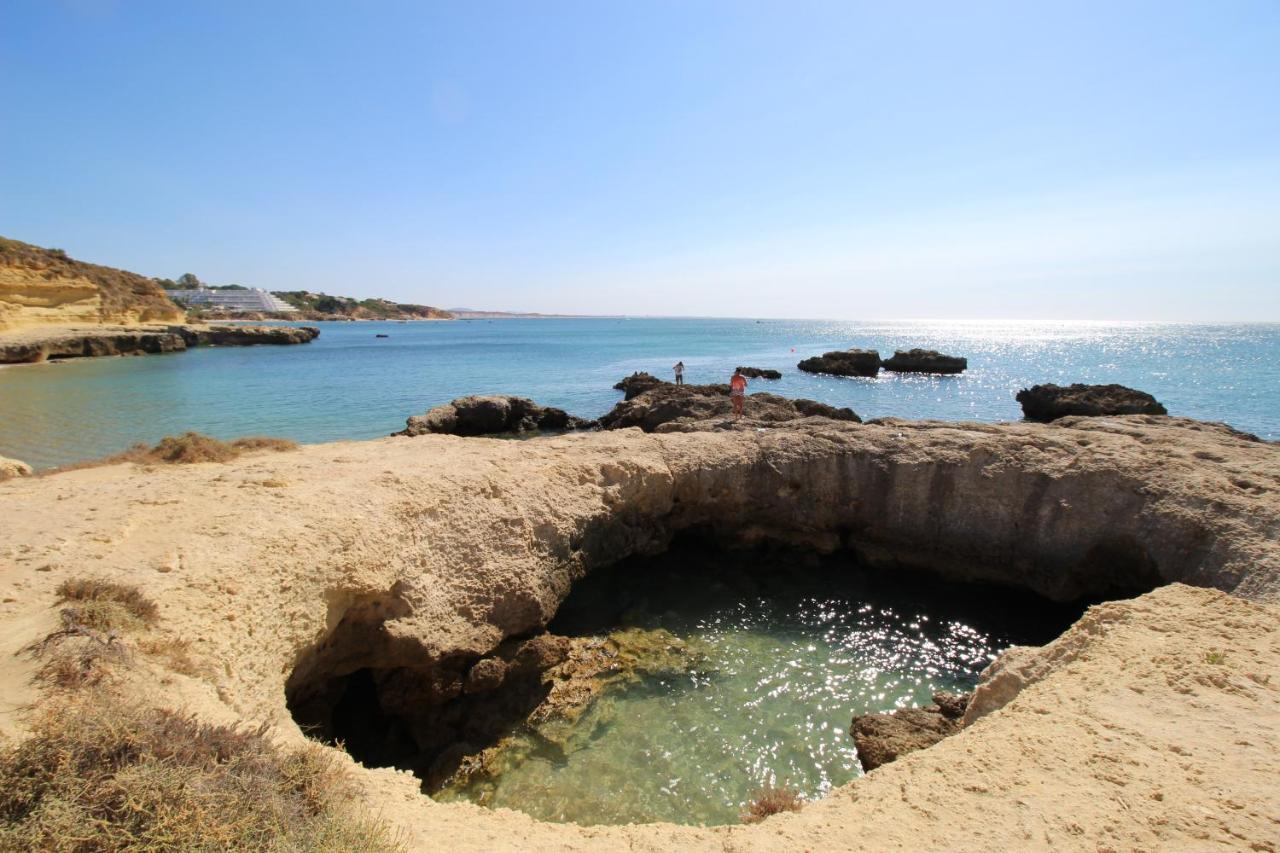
column 44, row 287
column 422, row 555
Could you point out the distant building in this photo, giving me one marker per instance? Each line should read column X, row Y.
column 253, row 299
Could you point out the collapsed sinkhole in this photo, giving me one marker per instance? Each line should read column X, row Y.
column 733, row 630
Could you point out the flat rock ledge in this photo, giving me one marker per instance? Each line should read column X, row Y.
column 32, row 345
column 881, row 738
column 1153, row 723
column 852, row 362
column 491, row 415
column 1046, row 403
column 925, row 361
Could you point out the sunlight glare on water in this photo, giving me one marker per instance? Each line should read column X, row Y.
column 350, row 385
column 771, row 703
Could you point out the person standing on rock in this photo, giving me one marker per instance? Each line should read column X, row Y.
column 679, row 369
column 737, row 391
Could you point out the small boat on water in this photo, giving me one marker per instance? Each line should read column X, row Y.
column 380, row 335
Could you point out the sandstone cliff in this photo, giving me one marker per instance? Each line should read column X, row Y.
column 1152, row 724
column 44, row 287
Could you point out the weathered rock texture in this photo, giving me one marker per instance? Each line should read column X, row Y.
column 637, row 383
column 925, row 361
column 43, row 286
column 1128, row 732
column 10, row 468
column 44, row 343
column 881, row 738
column 760, row 373
column 681, row 408
column 853, row 362
column 492, row 415
column 1050, row 402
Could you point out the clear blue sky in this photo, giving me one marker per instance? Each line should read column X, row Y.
column 1090, row 160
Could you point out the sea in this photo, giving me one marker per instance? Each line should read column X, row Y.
column 351, row 384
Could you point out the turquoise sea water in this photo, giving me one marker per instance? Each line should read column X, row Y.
column 788, row 652
column 349, row 384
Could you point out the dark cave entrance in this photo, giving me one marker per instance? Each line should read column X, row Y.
column 435, row 719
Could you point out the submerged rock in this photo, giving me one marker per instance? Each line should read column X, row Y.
column 1050, row 402
column 881, row 738
column 852, row 362
column 575, row 675
column 685, row 408
column 760, row 373
column 637, row 383
column 925, row 361
column 10, row 468
column 491, row 415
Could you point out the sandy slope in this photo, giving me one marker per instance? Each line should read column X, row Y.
column 1128, row 737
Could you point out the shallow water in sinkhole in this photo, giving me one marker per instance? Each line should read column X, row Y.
column 784, row 656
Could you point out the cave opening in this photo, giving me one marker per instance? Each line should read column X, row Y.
column 671, row 687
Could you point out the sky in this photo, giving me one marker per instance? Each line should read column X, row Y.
column 1084, row 160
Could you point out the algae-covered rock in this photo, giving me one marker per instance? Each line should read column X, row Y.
column 577, row 704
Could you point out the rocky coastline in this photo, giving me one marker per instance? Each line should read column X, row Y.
column 416, row 559
column 48, row 343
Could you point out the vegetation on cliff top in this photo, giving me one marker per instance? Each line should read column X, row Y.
column 103, row 771
column 185, row 449
column 121, row 292
column 359, row 309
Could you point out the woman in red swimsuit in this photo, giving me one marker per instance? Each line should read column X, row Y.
column 737, row 392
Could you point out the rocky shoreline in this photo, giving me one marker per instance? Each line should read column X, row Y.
column 424, row 557
column 38, row 344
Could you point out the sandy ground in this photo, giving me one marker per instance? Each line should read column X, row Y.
column 1152, row 724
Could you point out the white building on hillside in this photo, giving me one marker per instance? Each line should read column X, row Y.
column 253, row 299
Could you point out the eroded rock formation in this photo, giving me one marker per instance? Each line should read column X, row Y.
column 637, row 383
column 1049, row 402
column 681, row 408
column 881, row 738
column 925, row 361
column 434, row 553
column 37, row 344
column 852, row 362
column 491, row 415
column 760, row 373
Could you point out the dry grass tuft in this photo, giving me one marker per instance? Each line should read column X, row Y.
column 174, row 654
column 77, row 661
column 102, row 773
column 263, row 442
column 105, row 605
column 771, row 801
column 186, row 449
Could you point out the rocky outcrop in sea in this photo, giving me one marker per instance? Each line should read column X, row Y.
column 637, row 383
column 682, row 408
column 1049, row 402
column 851, row 362
column 760, row 373
column 924, row 361
column 491, row 415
